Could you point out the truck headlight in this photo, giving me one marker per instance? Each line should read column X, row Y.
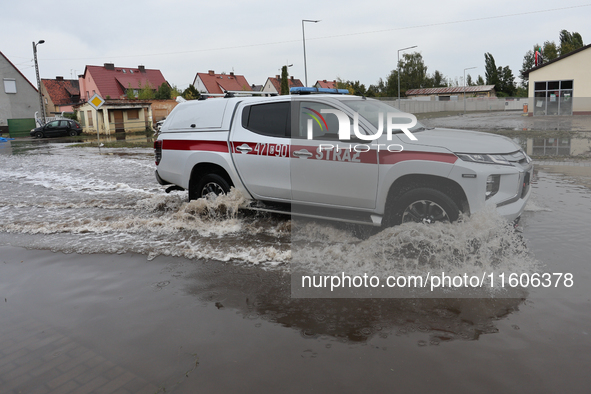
column 484, row 159
column 492, row 185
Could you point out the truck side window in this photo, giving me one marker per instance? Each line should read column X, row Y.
column 272, row 119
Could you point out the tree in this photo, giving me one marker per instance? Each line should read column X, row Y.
column 163, row 92
column 284, row 81
column 191, row 93
column 506, row 81
column 175, row 92
column 413, row 72
column 549, row 51
column 469, row 81
column 130, row 92
column 501, row 77
column 527, row 64
column 344, row 85
column 490, row 71
column 391, row 85
column 569, row 42
column 437, row 80
column 146, row 92
column 413, row 75
column 480, row 81
column 377, row 90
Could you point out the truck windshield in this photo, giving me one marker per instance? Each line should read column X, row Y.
column 371, row 109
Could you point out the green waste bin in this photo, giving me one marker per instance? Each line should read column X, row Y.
column 20, row 127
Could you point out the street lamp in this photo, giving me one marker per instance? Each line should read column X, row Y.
column 398, row 64
column 469, row 68
column 304, row 39
column 42, row 107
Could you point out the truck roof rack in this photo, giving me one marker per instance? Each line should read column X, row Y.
column 234, row 93
column 305, row 90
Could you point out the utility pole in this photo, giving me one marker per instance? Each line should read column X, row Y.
column 41, row 106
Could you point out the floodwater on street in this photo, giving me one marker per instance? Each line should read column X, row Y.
column 108, row 284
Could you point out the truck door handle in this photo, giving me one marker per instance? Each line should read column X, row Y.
column 244, row 148
column 302, row 153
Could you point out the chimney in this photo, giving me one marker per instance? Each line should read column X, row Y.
column 232, row 73
column 110, row 66
column 142, row 69
column 210, row 72
column 59, row 78
column 292, row 77
column 277, row 76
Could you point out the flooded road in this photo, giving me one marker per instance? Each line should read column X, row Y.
column 108, row 284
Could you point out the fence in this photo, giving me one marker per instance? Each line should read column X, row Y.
column 471, row 104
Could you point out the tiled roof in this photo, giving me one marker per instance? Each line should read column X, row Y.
column 293, row 83
column 62, row 91
column 455, row 89
column 327, row 84
column 109, row 82
column 218, row 83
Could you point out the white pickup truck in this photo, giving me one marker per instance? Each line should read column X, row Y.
column 289, row 154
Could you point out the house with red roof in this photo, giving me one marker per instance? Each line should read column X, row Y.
column 60, row 94
column 113, row 84
column 273, row 84
column 326, row 84
column 213, row 83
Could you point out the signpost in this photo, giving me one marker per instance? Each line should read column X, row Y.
column 96, row 102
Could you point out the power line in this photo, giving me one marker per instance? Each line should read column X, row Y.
column 337, row 35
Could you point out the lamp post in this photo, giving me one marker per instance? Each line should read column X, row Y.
column 469, row 68
column 398, row 65
column 304, row 39
column 41, row 106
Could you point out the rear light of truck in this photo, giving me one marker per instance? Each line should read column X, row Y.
column 157, row 151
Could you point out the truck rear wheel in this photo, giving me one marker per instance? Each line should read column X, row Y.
column 423, row 205
column 211, row 183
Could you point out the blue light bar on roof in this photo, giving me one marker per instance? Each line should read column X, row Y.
column 304, row 90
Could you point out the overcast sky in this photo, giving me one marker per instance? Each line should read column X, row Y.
column 355, row 40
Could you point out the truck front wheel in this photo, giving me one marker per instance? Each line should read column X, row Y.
column 423, row 205
column 211, row 183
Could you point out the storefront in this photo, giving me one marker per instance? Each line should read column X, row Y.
column 561, row 86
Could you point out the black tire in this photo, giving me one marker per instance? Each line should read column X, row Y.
column 39, row 134
column 212, row 183
column 73, row 133
column 423, row 205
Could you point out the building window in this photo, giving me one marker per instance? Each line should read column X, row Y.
column 89, row 115
column 9, row 85
column 133, row 114
column 553, row 97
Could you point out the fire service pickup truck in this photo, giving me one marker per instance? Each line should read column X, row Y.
column 338, row 157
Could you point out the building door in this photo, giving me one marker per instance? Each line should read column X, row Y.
column 118, row 120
